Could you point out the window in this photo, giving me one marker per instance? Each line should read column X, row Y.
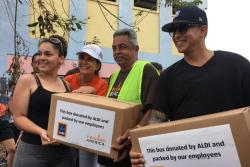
column 148, row 4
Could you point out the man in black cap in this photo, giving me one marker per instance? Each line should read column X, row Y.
column 204, row 81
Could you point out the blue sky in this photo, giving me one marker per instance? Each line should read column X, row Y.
column 229, row 26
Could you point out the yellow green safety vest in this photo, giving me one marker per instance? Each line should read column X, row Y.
column 131, row 88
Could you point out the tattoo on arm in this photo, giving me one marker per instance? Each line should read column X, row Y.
column 157, row 117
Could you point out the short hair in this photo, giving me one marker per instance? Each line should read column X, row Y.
column 33, row 57
column 128, row 32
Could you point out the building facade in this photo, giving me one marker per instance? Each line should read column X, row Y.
column 103, row 17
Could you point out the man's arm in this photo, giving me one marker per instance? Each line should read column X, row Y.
column 158, row 117
column 152, row 116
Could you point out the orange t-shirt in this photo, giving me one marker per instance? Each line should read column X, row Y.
column 100, row 85
column 3, row 109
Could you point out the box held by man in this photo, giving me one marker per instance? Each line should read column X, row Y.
column 90, row 122
column 221, row 139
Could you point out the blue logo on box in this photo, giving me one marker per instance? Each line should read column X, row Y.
column 62, row 129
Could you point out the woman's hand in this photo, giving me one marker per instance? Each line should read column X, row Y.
column 46, row 140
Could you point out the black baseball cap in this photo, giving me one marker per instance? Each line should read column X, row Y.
column 188, row 15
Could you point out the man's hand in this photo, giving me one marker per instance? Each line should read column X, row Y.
column 136, row 159
column 123, row 145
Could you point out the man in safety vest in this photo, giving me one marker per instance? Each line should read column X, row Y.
column 133, row 82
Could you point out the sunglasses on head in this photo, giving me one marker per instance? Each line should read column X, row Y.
column 55, row 41
column 182, row 28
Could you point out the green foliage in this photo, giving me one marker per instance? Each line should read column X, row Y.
column 139, row 13
column 46, row 23
column 48, row 20
column 15, row 69
column 95, row 40
column 177, row 4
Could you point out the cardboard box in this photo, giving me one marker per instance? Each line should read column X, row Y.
column 90, row 122
column 236, row 122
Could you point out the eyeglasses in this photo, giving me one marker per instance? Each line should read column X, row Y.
column 182, row 28
column 55, row 41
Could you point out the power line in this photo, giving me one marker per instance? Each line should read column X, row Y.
column 8, row 15
column 113, row 14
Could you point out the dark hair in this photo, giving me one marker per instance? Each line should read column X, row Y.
column 33, row 57
column 61, row 46
column 72, row 71
column 97, row 71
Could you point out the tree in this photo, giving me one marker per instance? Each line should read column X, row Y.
column 48, row 19
column 177, row 4
column 15, row 69
column 46, row 23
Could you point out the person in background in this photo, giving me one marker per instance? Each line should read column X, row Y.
column 204, row 81
column 72, row 71
column 7, row 136
column 34, row 63
column 89, row 65
column 3, row 109
column 133, row 82
column 15, row 130
column 87, row 81
column 31, row 106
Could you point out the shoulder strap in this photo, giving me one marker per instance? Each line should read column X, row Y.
column 65, row 85
column 37, row 80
